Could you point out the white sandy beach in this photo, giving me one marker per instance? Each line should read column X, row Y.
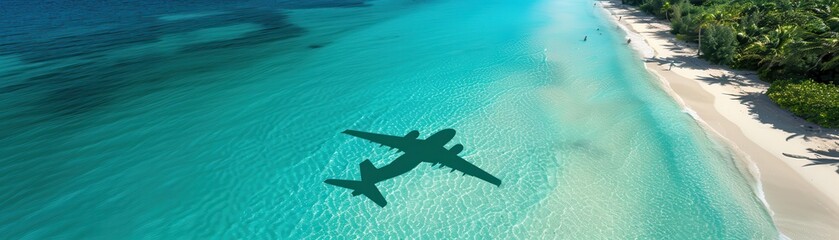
column 804, row 200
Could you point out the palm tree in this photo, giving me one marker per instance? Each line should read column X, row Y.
column 727, row 16
column 816, row 48
column 704, row 21
column 827, row 44
column 773, row 48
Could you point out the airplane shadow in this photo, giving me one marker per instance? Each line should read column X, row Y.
column 415, row 151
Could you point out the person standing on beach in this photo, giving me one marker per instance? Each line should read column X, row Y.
column 628, row 41
column 671, row 66
column 619, row 18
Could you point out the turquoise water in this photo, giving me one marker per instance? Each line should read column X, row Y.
column 228, row 130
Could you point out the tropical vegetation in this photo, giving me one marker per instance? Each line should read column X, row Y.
column 793, row 44
column 818, row 103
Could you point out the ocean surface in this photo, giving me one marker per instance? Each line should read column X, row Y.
column 221, row 119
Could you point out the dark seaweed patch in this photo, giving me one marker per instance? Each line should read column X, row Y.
column 50, row 29
column 275, row 27
column 297, row 4
column 83, row 88
column 37, row 34
column 316, row 45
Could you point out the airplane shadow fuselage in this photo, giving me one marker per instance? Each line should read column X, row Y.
column 415, row 154
column 398, row 167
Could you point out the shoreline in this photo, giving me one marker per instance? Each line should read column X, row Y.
column 730, row 104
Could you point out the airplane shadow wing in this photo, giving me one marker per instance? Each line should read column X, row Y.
column 460, row 164
column 386, row 140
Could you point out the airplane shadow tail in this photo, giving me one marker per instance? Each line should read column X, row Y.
column 367, row 188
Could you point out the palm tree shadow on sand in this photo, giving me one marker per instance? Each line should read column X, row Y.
column 764, row 110
column 823, row 157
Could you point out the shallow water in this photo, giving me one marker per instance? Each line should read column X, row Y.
column 222, row 120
